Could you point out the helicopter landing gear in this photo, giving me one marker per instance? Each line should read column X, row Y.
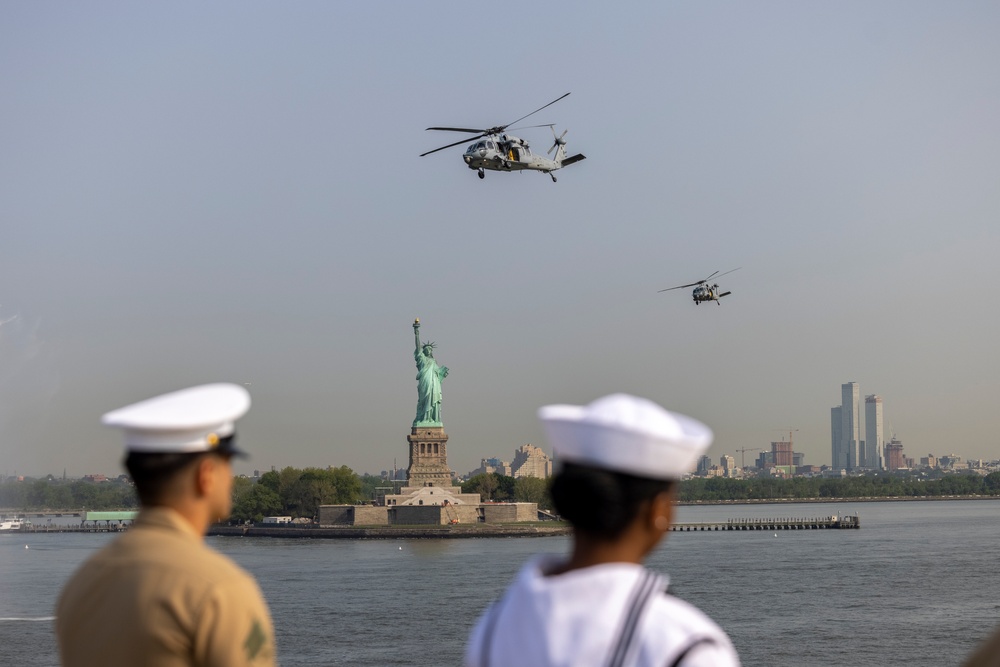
column 482, row 174
column 553, row 177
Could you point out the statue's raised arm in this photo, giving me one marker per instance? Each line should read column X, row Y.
column 429, row 376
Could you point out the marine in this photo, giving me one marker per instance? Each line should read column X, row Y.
column 158, row 596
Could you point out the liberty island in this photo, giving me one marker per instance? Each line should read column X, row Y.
column 429, row 497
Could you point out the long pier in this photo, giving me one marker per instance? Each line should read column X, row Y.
column 821, row 523
column 70, row 528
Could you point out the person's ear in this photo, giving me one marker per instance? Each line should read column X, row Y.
column 205, row 476
column 661, row 511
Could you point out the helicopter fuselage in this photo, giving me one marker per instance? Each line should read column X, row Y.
column 703, row 293
column 707, row 293
column 506, row 153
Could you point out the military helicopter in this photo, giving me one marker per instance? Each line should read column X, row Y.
column 704, row 291
column 496, row 150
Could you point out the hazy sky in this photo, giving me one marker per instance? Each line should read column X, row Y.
column 232, row 191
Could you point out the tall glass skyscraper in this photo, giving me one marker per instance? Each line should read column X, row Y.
column 874, row 435
column 850, row 423
column 838, row 459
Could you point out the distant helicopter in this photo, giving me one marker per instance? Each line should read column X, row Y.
column 704, row 291
column 499, row 151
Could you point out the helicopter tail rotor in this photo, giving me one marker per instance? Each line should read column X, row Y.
column 559, row 141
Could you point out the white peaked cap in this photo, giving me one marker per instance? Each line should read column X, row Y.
column 626, row 434
column 186, row 421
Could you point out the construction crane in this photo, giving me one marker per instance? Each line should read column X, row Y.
column 743, row 461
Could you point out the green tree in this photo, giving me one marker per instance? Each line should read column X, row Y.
column 14, row 494
column 485, row 485
column 256, row 503
column 271, row 480
column 347, row 485
column 370, row 485
column 532, row 490
column 991, row 483
column 505, row 489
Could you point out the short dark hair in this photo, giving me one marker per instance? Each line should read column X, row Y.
column 599, row 502
column 153, row 473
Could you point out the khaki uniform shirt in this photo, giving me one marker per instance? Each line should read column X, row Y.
column 987, row 654
column 159, row 597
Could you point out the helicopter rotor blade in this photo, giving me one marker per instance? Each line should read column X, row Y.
column 483, row 133
column 710, row 277
column 504, row 127
column 456, row 129
column 727, row 272
column 700, row 282
column 528, row 127
column 462, row 141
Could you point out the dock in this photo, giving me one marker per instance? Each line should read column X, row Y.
column 72, row 528
column 821, row 523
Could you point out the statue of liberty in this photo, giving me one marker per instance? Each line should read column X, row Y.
column 429, row 377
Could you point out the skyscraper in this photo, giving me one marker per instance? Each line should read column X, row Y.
column 838, row 458
column 874, row 435
column 850, row 422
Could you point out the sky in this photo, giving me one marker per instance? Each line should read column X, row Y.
column 196, row 193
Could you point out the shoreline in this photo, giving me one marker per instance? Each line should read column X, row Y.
column 392, row 532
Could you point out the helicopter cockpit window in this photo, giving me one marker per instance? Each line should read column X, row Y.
column 489, row 144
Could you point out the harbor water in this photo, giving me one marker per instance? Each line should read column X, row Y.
column 914, row 586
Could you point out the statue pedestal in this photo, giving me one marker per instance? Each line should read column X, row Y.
column 428, row 457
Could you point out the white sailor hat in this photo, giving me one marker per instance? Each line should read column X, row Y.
column 626, row 434
column 198, row 419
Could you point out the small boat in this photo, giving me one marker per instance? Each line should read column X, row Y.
column 7, row 525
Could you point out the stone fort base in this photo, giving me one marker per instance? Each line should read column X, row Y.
column 426, row 515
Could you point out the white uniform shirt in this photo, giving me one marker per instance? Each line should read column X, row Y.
column 579, row 617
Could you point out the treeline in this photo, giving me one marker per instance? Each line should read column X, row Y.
column 299, row 492
column 296, row 492
column 872, row 486
column 57, row 494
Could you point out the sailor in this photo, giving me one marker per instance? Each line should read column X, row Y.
column 158, row 595
column 619, row 458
